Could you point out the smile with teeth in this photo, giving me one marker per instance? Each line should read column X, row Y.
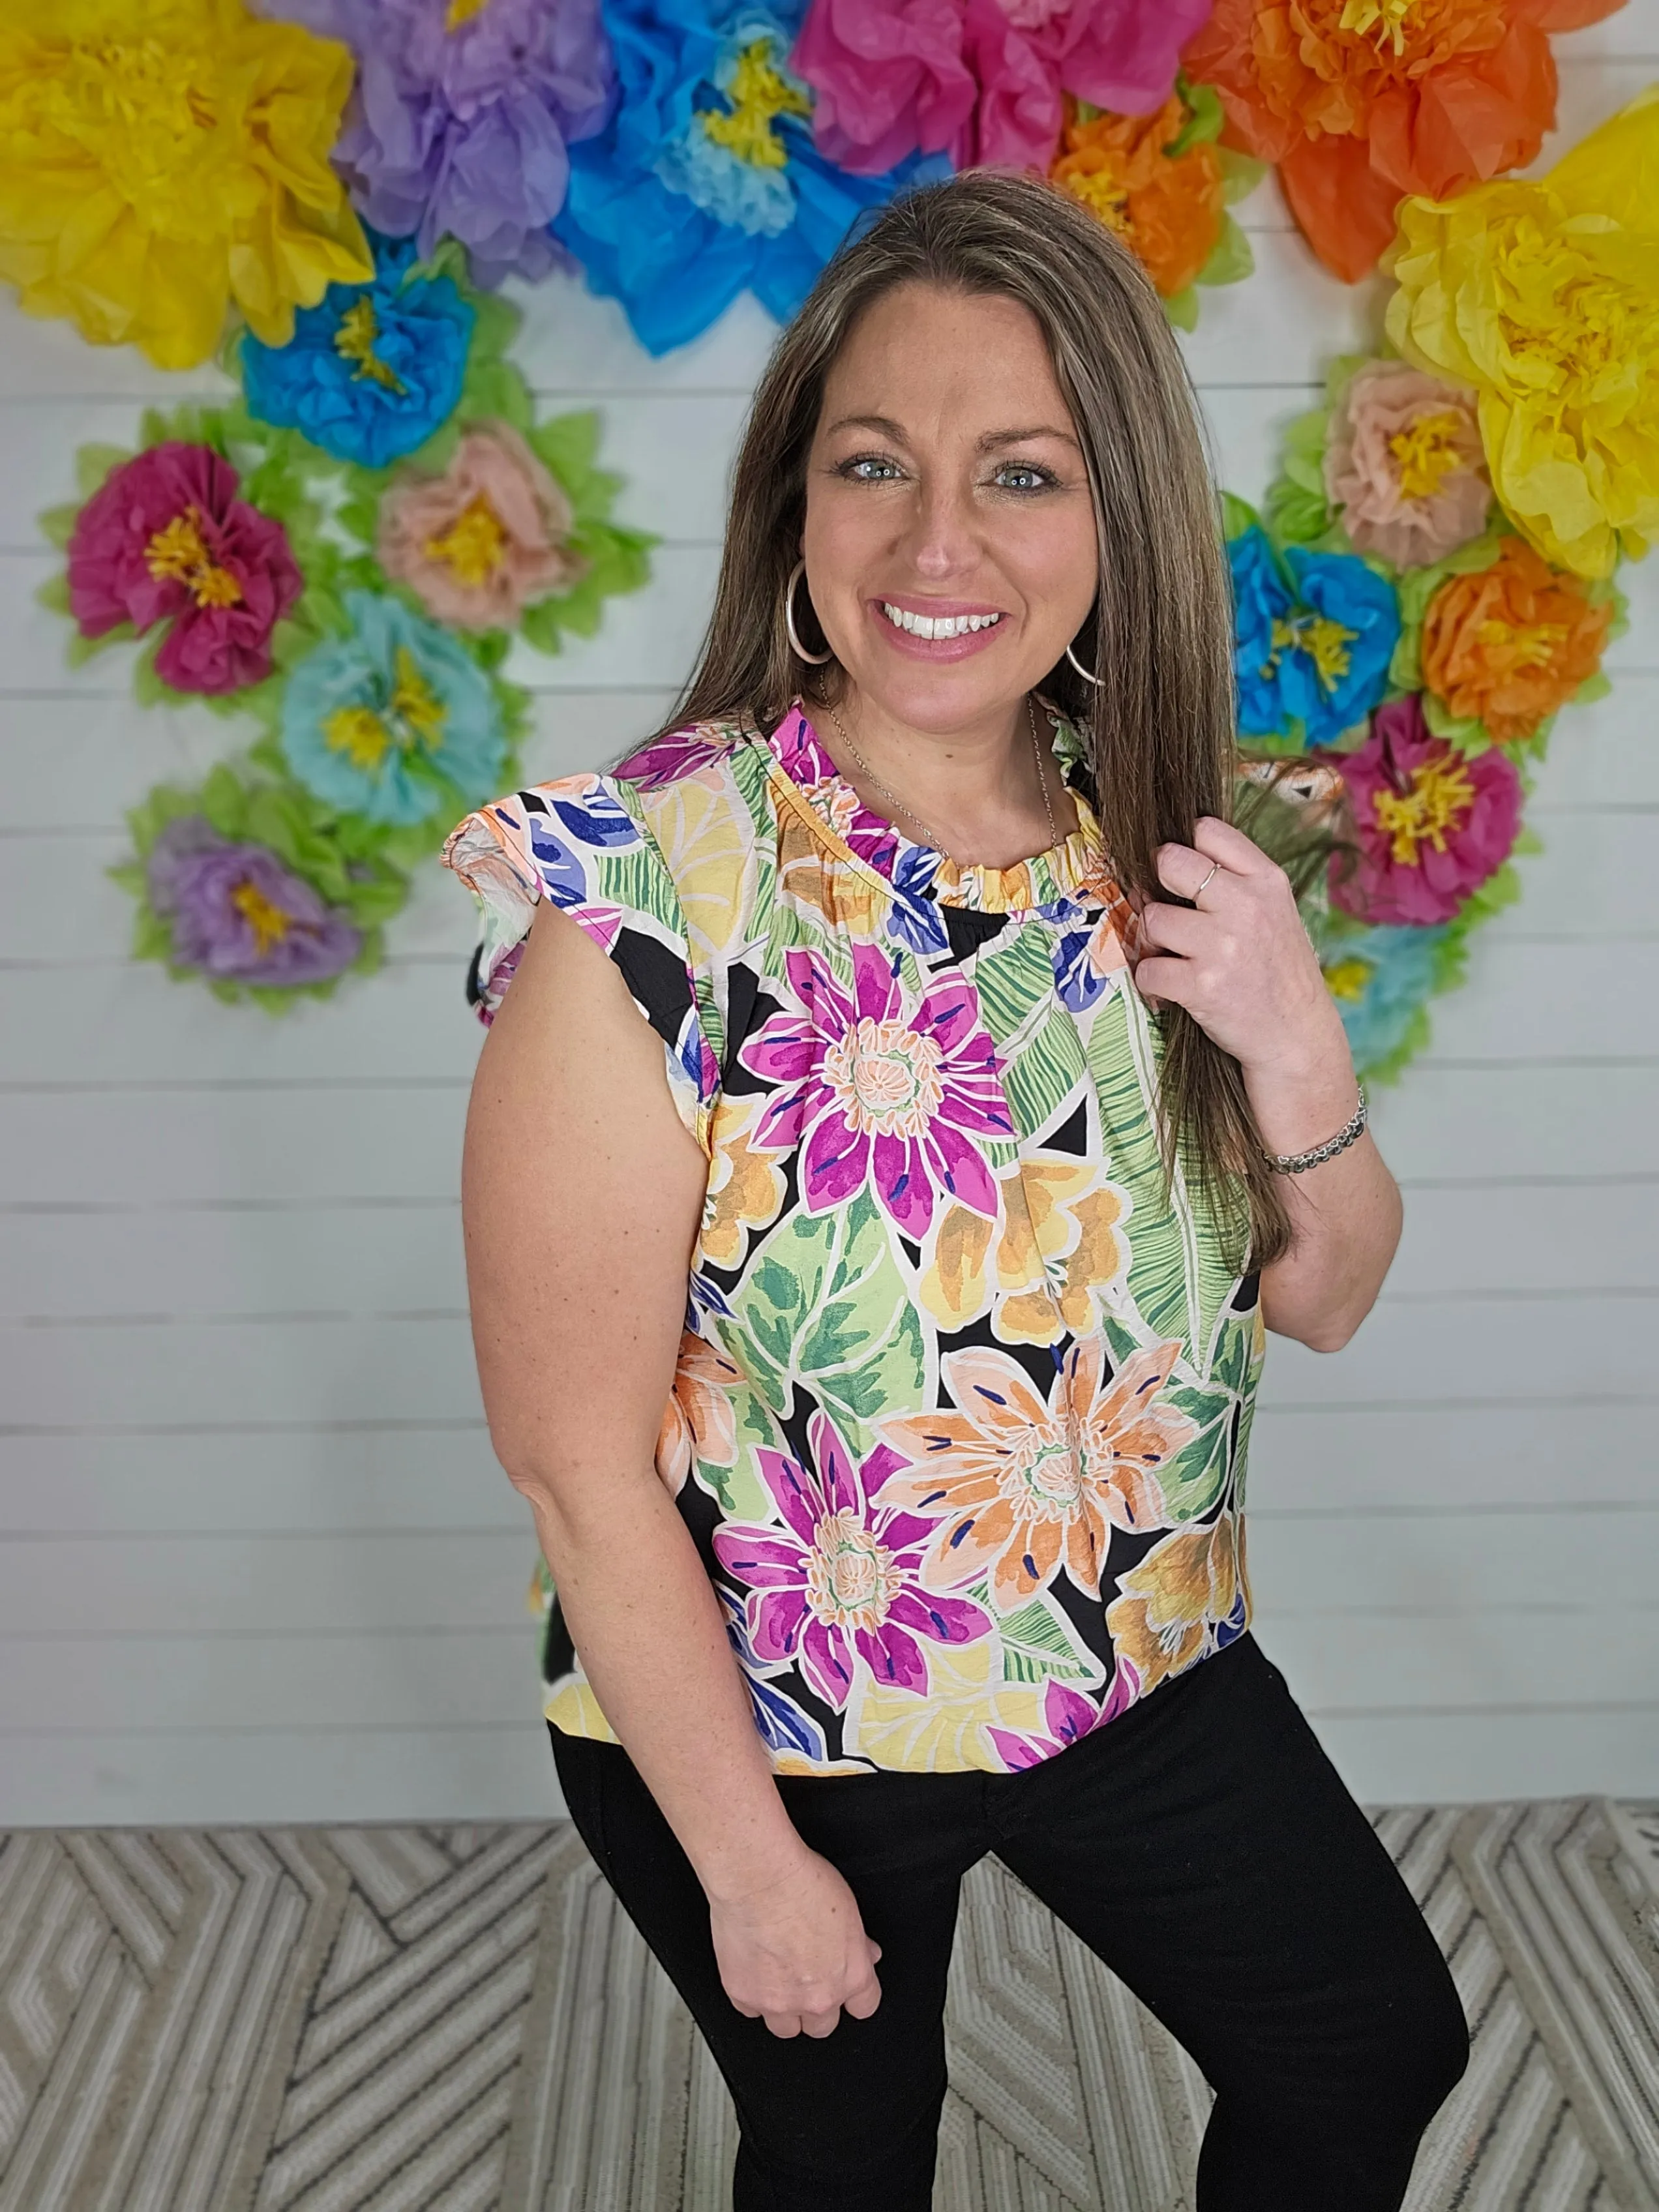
column 936, row 625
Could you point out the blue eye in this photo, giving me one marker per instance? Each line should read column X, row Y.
column 855, row 467
column 1037, row 479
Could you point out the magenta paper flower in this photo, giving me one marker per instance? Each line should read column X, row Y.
column 840, row 1582
column 882, row 1082
column 1067, row 1714
column 979, row 80
column 165, row 539
column 1432, row 823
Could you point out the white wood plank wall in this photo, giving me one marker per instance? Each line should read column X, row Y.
column 257, row 1563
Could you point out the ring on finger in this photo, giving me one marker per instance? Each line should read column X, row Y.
column 1215, row 869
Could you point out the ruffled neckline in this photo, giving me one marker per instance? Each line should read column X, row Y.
column 1074, row 869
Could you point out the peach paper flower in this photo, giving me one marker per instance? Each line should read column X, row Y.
column 485, row 540
column 1511, row 643
column 1404, row 466
column 1167, row 208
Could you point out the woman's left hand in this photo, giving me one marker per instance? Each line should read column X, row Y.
column 1239, row 959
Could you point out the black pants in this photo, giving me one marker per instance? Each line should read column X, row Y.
column 1202, row 1845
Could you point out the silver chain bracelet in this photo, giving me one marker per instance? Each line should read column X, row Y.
column 1299, row 1163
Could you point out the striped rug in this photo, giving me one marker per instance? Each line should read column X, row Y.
column 453, row 2019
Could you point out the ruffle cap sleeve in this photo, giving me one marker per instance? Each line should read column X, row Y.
column 578, row 842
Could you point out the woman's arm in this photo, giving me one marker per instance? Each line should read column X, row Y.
column 1240, row 963
column 582, row 1192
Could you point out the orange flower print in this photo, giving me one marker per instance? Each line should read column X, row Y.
column 745, row 1188
column 1513, row 642
column 1168, row 209
column 1056, row 1241
column 698, row 1421
column 1017, row 1484
column 1186, row 1597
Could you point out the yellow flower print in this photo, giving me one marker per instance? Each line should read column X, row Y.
column 745, row 1187
column 944, row 1731
column 814, row 874
column 1018, row 1483
column 1544, row 296
column 710, row 857
column 1173, row 1603
column 699, row 1421
column 1055, row 1212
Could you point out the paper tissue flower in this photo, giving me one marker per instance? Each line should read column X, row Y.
column 979, row 81
column 1360, row 100
column 164, row 158
column 1313, row 639
column 485, row 539
column 1545, row 297
column 1403, row 464
column 1167, row 207
column 1509, row 645
column 705, row 182
column 234, row 912
column 1380, row 978
column 370, row 373
column 167, row 539
column 394, row 721
column 463, row 117
column 1431, row 824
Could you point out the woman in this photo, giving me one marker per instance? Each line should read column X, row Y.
column 948, row 1244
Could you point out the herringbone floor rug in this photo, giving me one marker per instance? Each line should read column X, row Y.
column 417, row 2019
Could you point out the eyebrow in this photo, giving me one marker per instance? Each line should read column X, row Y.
column 888, row 429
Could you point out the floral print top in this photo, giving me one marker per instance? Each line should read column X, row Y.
column 960, row 1416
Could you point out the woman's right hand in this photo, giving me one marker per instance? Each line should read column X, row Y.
column 793, row 1950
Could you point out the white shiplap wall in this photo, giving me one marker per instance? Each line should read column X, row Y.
column 256, row 1562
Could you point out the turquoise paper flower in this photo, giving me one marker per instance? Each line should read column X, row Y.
column 393, row 722
column 374, row 369
column 1381, row 979
column 1313, row 639
column 706, row 181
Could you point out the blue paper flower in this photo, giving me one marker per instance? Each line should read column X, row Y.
column 373, row 369
column 706, row 181
column 395, row 720
column 1313, row 651
column 1379, row 978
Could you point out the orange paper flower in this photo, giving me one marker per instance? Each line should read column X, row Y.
column 1168, row 209
column 1511, row 643
column 1361, row 101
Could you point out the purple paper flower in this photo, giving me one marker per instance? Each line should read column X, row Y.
column 1067, row 1714
column 461, row 116
column 880, row 1079
column 239, row 915
column 840, row 1582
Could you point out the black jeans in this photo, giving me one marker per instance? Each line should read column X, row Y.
column 1202, row 1845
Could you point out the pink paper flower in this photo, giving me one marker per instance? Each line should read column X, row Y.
column 485, row 540
column 877, row 1081
column 839, row 1581
column 979, row 80
column 165, row 539
column 1404, row 466
column 1432, row 823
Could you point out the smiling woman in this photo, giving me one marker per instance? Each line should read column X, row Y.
column 882, row 1381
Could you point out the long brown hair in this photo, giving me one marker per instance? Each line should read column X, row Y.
column 1159, row 731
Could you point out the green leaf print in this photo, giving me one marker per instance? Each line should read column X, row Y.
column 827, row 1304
column 1193, row 1480
column 1038, row 1641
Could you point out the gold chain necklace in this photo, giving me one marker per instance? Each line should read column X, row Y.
column 931, row 836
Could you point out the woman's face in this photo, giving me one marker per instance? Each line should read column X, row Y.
column 945, row 482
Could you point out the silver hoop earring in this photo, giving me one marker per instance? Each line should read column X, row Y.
column 1081, row 670
column 798, row 649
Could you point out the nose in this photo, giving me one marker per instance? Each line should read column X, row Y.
column 939, row 541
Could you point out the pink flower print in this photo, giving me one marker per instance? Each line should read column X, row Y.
column 1067, row 1714
column 881, row 1083
column 839, row 1581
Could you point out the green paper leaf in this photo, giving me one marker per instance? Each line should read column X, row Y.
column 1206, row 118
column 92, row 463
column 1181, row 308
column 56, row 524
column 1230, row 258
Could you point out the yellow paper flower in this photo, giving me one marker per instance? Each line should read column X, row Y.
column 163, row 157
column 1545, row 297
